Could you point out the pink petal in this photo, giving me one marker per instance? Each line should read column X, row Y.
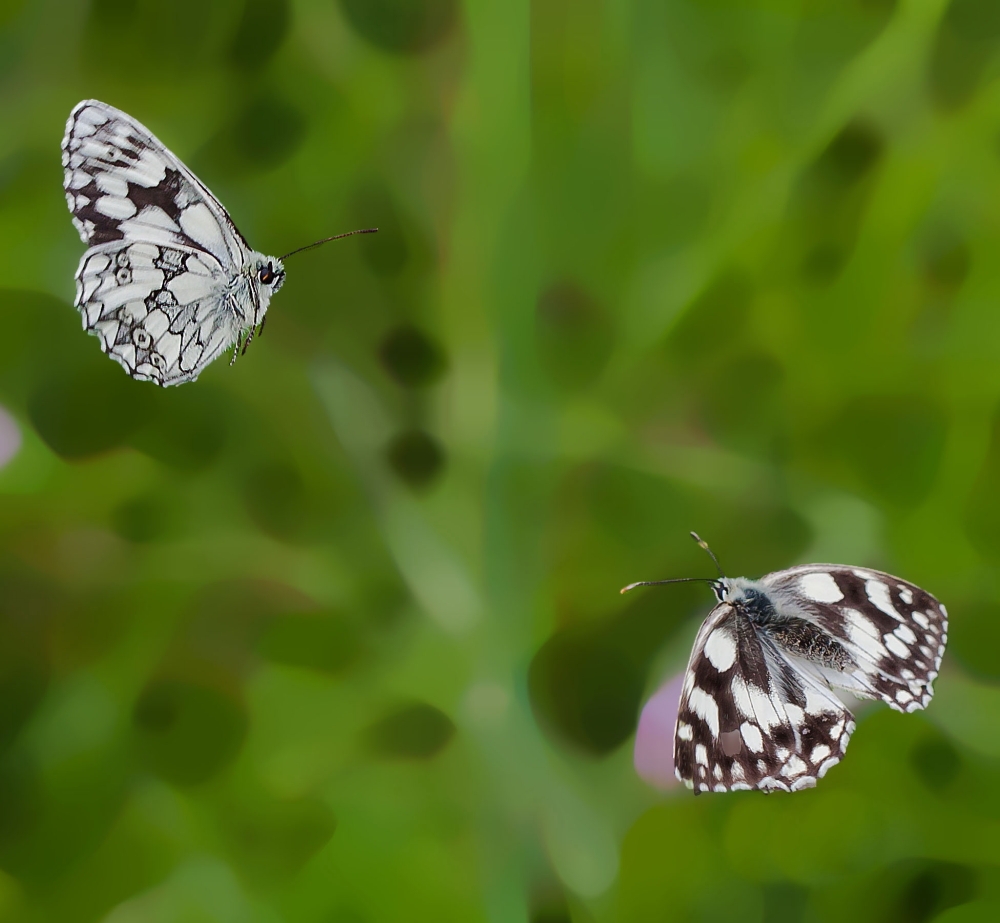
column 654, row 738
column 10, row 437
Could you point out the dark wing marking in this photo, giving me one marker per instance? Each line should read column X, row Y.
column 122, row 183
column 162, row 312
column 894, row 631
column 748, row 719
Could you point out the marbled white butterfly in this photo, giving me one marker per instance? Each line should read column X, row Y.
column 168, row 282
column 756, row 707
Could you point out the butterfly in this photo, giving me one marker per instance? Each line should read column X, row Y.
column 757, row 708
column 167, row 282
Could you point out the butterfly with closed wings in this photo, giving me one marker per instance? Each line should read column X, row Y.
column 757, row 708
column 168, row 282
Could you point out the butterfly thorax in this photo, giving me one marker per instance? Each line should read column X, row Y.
column 795, row 635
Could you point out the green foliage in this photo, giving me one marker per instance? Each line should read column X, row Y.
column 334, row 636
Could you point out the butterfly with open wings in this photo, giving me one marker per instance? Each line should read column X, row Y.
column 757, row 708
column 168, row 283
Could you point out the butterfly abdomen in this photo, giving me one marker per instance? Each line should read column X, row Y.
column 803, row 639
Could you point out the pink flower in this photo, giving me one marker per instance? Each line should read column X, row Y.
column 654, row 738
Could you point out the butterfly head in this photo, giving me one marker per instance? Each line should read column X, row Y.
column 747, row 596
column 270, row 273
column 721, row 589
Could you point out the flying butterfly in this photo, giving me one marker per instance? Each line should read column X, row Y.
column 757, row 710
column 167, row 282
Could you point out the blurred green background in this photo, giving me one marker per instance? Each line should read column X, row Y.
column 334, row 635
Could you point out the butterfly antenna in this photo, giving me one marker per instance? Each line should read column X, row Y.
column 326, row 240
column 709, row 580
column 703, row 544
column 632, row 586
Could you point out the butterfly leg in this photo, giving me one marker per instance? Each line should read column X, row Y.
column 260, row 327
column 236, row 351
column 246, row 342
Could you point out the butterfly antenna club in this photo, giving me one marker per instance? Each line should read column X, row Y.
column 703, row 544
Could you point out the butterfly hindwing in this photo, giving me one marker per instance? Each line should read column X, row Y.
column 894, row 631
column 155, row 308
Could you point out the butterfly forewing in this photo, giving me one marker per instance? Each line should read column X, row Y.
column 895, row 631
column 123, row 183
column 748, row 719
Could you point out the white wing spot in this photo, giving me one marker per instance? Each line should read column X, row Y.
column 820, row 752
column 906, row 595
column 878, row 593
column 741, row 696
column 200, row 225
column 706, row 708
column 720, row 649
column 795, row 714
column 826, row 766
column 154, row 216
column 684, row 731
column 701, row 755
column 821, row 588
column 763, row 708
column 816, row 704
column 897, row 647
column 119, row 207
column 920, row 619
column 794, row 767
column 905, row 634
column 112, row 184
column 752, row 737
column 189, row 287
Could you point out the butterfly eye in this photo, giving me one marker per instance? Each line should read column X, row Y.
column 266, row 275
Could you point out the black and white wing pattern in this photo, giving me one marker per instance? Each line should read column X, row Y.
column 757, row 708
column 168, row 282
column 894, row 631
column 157, row 309
column 748, row 719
